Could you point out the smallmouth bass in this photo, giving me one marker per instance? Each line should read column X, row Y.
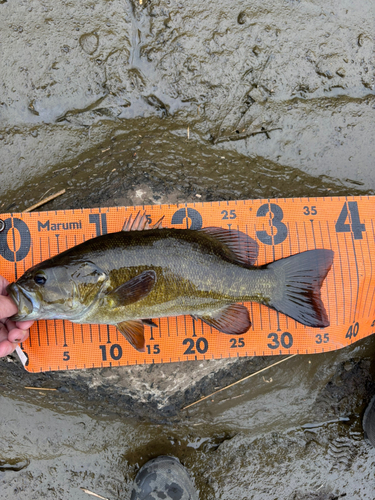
column 129, row 277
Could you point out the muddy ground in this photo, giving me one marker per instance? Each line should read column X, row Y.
column 160, row 101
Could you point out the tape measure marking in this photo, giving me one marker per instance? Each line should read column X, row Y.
column 282, row 227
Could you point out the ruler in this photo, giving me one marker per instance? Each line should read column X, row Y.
column 281, row 227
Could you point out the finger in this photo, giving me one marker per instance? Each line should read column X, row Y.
column 6, row 348
column 7, row 307
column 17, row 335
column 3, row 284
column 24, row 325
column 3, row 332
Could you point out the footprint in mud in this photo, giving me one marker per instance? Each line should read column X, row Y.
column 343, row 450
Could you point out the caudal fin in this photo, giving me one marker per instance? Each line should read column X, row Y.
column 301, row 277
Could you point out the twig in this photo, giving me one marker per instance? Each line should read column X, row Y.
column 48, row 190
column 241, row 380
column 93, row 494
column 40, row 389
column 46, row 200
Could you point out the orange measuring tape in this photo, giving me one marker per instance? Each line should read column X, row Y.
column 282, row 227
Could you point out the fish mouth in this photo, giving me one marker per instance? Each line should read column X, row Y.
column 22, row 301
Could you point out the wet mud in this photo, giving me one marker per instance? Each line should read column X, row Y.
column 124, row 103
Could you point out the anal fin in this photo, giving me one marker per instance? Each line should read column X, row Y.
column 233, row 319
column 133, row 331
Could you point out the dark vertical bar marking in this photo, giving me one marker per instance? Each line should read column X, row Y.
column 370, row 281
column 334, row 274
column 350, row 275
column 342, row 279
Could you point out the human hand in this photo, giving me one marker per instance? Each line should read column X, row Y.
column 11, row 333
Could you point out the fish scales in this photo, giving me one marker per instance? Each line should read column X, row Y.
column 204, row 278
column 127, row 277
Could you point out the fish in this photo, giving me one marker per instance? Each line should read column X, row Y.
column 130, row 277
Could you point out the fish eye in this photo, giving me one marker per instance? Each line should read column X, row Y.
column 40, row 279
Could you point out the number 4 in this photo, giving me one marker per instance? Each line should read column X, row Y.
column 355, row 226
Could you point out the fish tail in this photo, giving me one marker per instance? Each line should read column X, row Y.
column 300, row 277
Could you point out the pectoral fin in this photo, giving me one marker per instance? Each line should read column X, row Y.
column 233, row 319
column 133, row 331
column 133, row 290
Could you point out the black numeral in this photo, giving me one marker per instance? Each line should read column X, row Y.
column 115, row 352
column 191, row 217
column 231, row 215
column 103, row 348
column 66, row 356
column 15, row 254
column 352, row 331
column 201, row 345
column 355, row 226
column 236, row 342
column 320, row 339
column 286, row 340
column 153, row 349
column 100, row 221
column 275, row 214
column 310, row 210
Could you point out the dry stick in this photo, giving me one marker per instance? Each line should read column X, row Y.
column 46, row 200
column 93, row 494
column 238, row 381
column 40, row 389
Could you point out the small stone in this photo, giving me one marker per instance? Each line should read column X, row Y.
column 256, row 50
column 257, row 95
column 241, row 19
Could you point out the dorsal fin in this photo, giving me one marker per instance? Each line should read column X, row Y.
column 140, row 223
column 158, row 224
column 245, row 248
